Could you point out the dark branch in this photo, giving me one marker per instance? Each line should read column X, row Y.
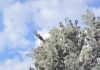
column 39, row 36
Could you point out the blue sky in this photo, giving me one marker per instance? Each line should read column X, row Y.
column 20, row 18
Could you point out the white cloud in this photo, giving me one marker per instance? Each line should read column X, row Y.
column 5, row 3
column 15, row 64
column 15, row 27
column 49, row 13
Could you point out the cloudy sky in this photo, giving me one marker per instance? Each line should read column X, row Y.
column 20, row 18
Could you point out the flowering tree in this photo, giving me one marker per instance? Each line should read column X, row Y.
column 70, row 47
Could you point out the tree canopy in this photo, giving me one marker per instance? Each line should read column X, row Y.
column 71, row 47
